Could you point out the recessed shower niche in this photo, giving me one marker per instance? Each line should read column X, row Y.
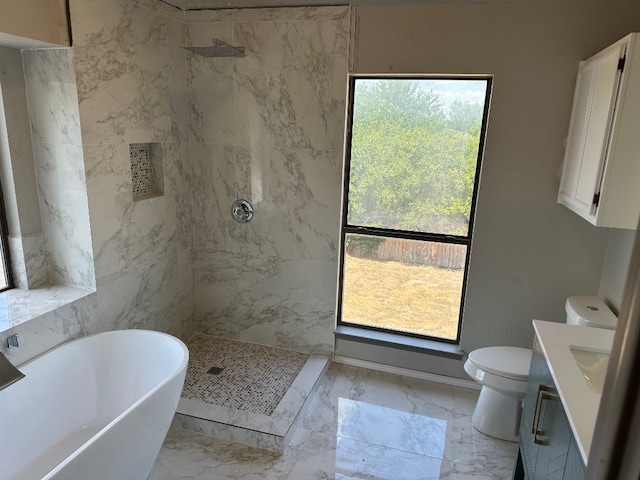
column 147, row 174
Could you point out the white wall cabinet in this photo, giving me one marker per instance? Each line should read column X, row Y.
column 601, row 171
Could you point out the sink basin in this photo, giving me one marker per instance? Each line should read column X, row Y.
column 593, row 365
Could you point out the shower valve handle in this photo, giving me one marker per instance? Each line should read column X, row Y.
column 242, row 211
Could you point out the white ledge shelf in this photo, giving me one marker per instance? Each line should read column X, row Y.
column 18, row 306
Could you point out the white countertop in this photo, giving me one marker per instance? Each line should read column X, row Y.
column 579, row 401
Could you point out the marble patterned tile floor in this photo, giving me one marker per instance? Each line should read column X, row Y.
column 360, row 424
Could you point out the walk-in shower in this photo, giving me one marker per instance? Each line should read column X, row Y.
column 246, row 392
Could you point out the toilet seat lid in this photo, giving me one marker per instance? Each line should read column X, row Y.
column 510, row 362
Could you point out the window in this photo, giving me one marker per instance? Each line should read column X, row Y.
column 414, row 146
column 6, row 282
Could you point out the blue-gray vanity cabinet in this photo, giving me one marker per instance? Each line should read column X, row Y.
column 546, row 446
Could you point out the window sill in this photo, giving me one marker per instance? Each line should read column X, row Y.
column 403, row 342
column 18, row 306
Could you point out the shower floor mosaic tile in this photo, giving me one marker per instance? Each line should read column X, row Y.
column 240, row 375
column 247, row 393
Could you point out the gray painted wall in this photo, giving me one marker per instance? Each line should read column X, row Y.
column 528, row 253
column 616, row 266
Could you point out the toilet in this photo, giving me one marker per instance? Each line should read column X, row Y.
column 503, row 374
column 503, row 371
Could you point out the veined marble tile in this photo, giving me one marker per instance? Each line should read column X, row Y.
column 210, row 86
column 423, row 435
column 30, row 261
column 314, row 458
column 209, row 16
column 53, row 96
column 382, row 463
column 216, row 293
column 312, row 46
column 19, row 261
column 181, row 181
column 318, row 452
column 20, row 307
column 287, row 303
column 203, row 34
column 289, row 89
column 267, row 14
column 289, row 108
column 198, row 457
column 130, row 234
column 288, row 415
column 467, row 447
column 121, row 22
column 296, row 199
column 186, row 296
column 314, row 14
column 418, row 397
column 296, row 215
column 211, row 99
column 265, row 441
column 65, row 214
column 164, row 8
column 123, row 93
column 73, row 319
column 213, row 192
column 147, row 298
column 178, row 88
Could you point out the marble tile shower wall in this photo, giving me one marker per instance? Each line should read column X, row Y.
column 57, row 149
column 268, row 128
column 131, row 82
column 131, row 75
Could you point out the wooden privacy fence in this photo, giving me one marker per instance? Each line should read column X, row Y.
column 442, row 255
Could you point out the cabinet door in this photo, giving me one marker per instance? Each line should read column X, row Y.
column 553, row 455
column 538, row 375
column 574, row 468
column 555, row 436
column 589, row 131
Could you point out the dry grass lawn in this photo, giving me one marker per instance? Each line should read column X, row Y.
column 407, row 298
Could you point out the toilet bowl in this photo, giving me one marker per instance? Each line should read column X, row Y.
column 503, row 373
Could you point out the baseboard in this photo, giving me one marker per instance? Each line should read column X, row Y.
column 432, row 377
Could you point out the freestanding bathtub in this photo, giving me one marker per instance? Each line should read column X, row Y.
column 97, row 407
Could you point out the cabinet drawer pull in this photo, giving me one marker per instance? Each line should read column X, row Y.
column 536, row 410
column 546, row 395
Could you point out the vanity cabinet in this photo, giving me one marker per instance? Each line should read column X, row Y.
column 546, row 447
column 601, row 169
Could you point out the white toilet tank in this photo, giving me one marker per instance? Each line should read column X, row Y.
column 589, row 312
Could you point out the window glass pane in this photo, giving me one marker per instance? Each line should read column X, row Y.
column 414, row 150
column 3, row 277
column 403, row 285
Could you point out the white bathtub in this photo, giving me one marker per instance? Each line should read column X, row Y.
column 94, row 408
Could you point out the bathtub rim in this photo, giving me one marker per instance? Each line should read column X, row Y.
column 180, row 369
column 110, row 332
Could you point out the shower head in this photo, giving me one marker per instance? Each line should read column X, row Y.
column 218, row 49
